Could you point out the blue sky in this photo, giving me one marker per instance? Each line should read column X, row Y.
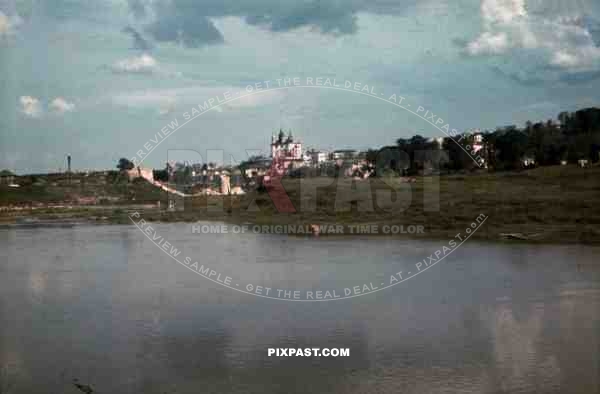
column 96, row 79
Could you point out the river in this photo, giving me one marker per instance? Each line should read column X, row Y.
column 103, row 305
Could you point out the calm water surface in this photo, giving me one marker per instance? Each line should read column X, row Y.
column 105, row 306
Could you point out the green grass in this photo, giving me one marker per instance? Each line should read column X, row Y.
column 550, row 204
column 112, row 190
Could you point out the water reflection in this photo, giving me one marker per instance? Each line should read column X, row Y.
column 519, row 363
column 102, row 305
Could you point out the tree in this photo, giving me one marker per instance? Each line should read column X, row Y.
column 371, row 156
column 391, row 159
column 124, row 164
column 458, row 160
column 546, row 143
column 161, row 175
column 511, row 146
column 564, row 118
column 586, row 121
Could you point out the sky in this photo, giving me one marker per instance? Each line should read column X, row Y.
column 97, row 79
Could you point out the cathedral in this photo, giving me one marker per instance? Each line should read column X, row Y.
column 286, row 152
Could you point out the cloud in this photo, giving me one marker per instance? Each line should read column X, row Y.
column 489, row 43
column 182, row 23
column 30, row 106
column 139, row 42
column 142, row 64
column 59, row 105
column 138, row 8
column 580, row 77
column 190, row 22
column 327, row 16
column 502, row 11
column 564, row 42
column 506, row 27
column 593, row 26
column 4, row 24
column 8, row 24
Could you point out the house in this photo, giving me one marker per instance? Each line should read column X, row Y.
column 583, row 163
column 477, row 143
column 479, row 149
column 257, row 168
column 140, row 172
column 344, row 154
column 528, row 161
column 315, row 158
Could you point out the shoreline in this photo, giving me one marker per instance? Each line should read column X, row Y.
column 121, row 216
column 548, row 205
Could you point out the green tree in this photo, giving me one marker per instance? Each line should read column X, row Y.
column 124, row 164
column 511, row 147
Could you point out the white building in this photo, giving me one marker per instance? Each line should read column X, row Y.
column 257, row 169
column 344, row 154
column 437, row 140
column 478, row 143
column 141, row 172
column 528, row 161
column 315, row 157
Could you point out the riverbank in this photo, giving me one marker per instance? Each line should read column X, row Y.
column 544, row 205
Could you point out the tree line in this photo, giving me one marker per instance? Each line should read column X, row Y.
column 573, row 136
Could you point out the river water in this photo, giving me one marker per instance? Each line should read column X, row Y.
column 103, row 305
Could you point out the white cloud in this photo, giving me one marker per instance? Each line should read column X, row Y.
column 140, row 64
column 60, row 105
column 565, row 59
column 30, row 106
column 8, row 25
column 562, row 41
column 505, row 27
column 489, row 43
column 502, row 11
column 4, row 24
column 143, row 64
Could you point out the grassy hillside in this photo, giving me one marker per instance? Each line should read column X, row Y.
column 107, row 187
column 549, row 204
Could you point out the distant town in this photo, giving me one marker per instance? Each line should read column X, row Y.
column 573, row 138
